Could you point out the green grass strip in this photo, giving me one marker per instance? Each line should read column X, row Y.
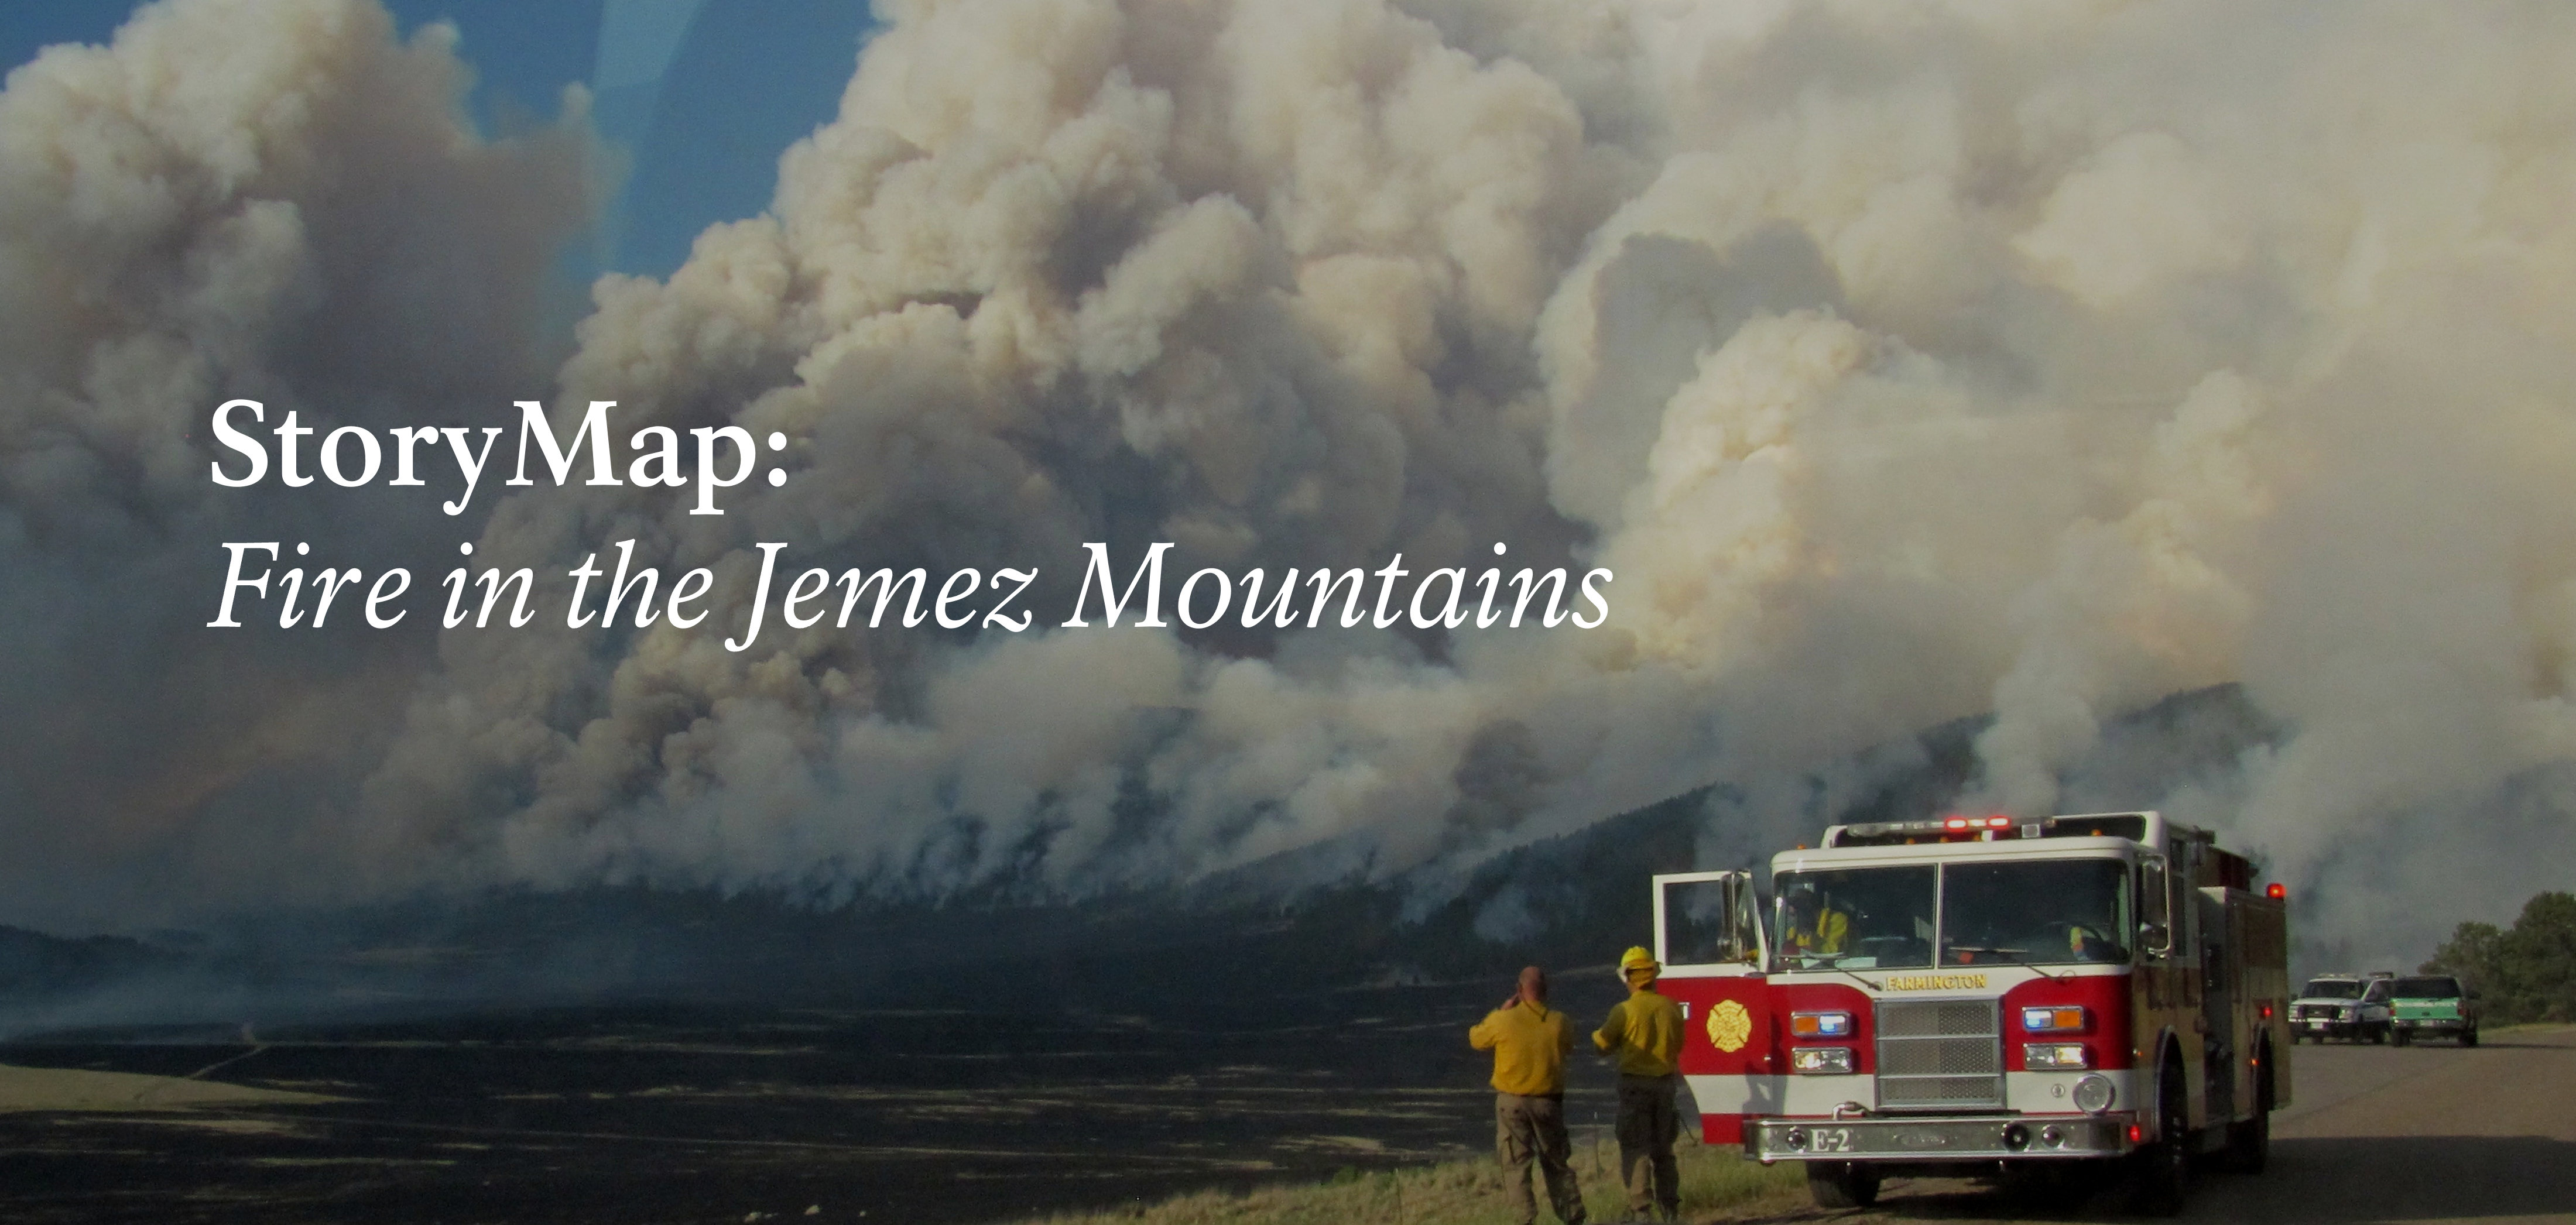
column 1459, row 1193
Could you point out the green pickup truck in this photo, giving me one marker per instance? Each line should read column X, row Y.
column 2433, row 1005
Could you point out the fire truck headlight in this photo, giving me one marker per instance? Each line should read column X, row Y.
column 2060, row 1019
column 1820, row 1024
column 1821, row 1060
column 2094, row 1094
column 2055, row 1056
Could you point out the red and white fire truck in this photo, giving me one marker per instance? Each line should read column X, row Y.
column 1972, row 996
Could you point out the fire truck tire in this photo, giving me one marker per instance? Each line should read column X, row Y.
column 1842, row 1184
column 2161, row 1177
column 2249, row 1144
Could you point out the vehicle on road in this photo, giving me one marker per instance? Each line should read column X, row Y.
column 2433, row 1006
column 2345, row 1006
column 2057, row 1001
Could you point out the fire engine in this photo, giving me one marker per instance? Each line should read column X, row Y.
column 2038, row 999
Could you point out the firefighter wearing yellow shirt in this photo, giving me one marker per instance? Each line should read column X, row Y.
column 1530, row 1041
column 1644, row 1033
column 1814, row 928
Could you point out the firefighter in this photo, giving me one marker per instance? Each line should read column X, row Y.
column 1814, row 927
column 1644, row 1033
column 1530, row 1041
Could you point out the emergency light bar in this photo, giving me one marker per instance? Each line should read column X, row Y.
column 1962, row 827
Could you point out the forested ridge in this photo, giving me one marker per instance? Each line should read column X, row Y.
column 2525, row 972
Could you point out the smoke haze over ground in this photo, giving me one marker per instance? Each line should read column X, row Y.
column 1903, row 362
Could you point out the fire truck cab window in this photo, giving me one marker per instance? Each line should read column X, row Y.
column 1860, row 918
column 2035, row 912
column 1709, row 922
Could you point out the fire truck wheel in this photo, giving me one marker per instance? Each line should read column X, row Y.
column 2162, row 1175
column 1842, row 1184
column 2249, row 1144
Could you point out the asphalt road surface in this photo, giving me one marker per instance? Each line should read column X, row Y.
column 2375, row 1135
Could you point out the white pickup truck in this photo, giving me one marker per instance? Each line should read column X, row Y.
column 2345, row 1006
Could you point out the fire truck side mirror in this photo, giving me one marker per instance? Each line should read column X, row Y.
column 2155, row 918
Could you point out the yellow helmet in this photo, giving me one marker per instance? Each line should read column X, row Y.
column 1638, row 958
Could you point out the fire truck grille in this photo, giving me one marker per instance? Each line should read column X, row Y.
column 1940, row 1055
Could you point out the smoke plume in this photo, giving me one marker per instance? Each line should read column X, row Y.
column 1904, row 362
column 238, row 198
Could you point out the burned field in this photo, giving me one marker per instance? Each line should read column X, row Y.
column 649, row 1057
column 704, row 1112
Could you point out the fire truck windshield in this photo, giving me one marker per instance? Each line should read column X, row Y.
column 2035, row 912
column 2028, row 912
column 1857, row 917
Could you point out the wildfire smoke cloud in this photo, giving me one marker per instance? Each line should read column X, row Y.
column 1904, row 362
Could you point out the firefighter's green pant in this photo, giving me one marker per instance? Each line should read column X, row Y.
column 1649, row 1121
column 1533, row 1128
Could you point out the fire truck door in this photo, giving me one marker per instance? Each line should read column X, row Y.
column 2217, row 1005
column 1709, row 935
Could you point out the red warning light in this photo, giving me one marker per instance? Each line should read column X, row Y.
column 2275, row 890
column 1955, row 823
column 2136, row 1133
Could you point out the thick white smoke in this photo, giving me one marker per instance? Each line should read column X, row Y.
column 266, row 198
column 1903, row 361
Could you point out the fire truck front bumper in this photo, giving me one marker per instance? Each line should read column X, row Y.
column 1975, row 1138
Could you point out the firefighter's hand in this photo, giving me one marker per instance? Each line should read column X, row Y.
column 1508, row 1001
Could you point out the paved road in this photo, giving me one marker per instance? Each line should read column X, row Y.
column 2377, row 1135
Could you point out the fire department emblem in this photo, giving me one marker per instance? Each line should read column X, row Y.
column 1729, row 1026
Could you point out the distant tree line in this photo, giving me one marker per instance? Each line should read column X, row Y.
column 2526, row 972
